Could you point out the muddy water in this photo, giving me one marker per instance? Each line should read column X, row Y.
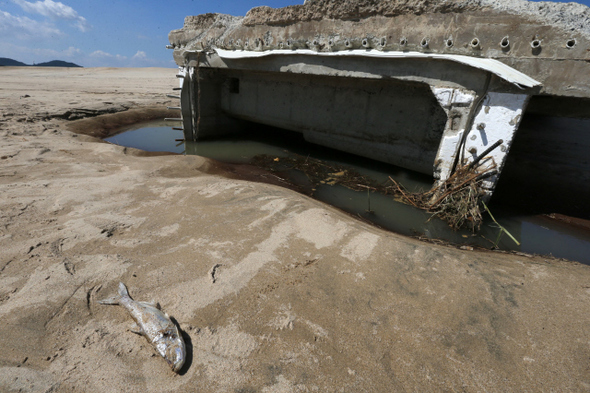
column 537, row 234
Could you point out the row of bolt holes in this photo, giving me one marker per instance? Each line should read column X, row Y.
column 475, row 43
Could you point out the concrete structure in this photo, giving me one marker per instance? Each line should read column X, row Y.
column 420, row 86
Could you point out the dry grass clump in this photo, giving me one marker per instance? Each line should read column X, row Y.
column 456, row 200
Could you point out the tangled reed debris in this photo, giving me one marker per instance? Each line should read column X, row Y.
column 456, row 200
column 318, row 171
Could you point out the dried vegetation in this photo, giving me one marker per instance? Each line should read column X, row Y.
column 456, row 200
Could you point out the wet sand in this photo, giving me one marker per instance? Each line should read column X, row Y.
column 303, row 297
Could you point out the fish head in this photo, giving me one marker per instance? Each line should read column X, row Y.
column 171, row 347
column 177, row 359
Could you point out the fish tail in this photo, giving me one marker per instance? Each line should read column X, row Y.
column 123, row 292
column 114, row 300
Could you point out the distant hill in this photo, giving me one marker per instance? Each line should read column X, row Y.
column 9, row 62
column 54, row 63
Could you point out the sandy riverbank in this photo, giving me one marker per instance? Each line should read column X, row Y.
column 304, row 298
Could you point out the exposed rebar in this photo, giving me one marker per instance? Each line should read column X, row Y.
column 485, row 153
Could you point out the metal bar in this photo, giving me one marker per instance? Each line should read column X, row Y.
column 177, row 88
column 485, row 175
column 175, row 108
column 174, row 119
column 171, row 96
column 179, row 76
column 485, row 153
column 178, row 129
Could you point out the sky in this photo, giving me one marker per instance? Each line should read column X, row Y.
column 106, row 33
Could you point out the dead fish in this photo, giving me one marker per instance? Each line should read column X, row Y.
column 155, row 325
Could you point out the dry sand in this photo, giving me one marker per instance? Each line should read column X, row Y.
column 305, row 298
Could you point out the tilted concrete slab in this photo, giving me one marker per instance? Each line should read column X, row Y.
column 386, row 79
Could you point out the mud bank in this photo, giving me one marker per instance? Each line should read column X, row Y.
column 303, row 298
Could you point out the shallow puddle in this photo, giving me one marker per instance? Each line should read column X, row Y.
column 537, row 234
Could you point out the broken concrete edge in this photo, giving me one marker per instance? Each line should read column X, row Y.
column 569, row 16
column 548, row 41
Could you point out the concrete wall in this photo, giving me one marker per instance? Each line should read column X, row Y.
column 550, row 44
column 387, row 120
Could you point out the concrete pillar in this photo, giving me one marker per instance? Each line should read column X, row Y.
column 495, row 123
column 203, row 116
column 458, row 104
column 475, row 126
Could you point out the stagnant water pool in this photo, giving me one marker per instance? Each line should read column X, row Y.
column 537, row 234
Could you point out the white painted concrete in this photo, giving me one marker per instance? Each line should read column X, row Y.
column 495, row 67
column 498, row 118
column 460, row 101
